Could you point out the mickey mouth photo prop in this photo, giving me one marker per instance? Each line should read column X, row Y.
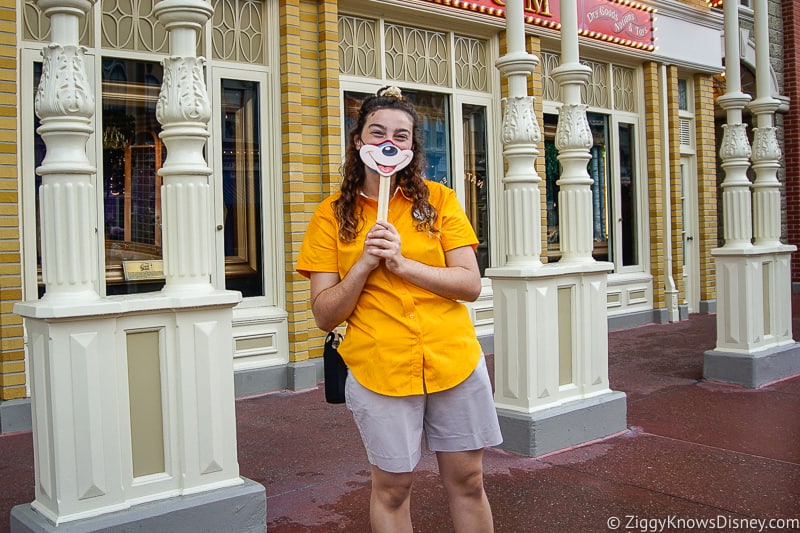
column 386, row 159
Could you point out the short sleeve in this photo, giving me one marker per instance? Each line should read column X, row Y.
column 456, row 230
column 319, row 251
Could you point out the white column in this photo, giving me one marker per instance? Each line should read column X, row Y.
column 520, row 135
column 65, row 104
column 766, row 153
column 754, row 334
column 184, row 110
column 551, row 343
column 573, row 140
column 735, row 150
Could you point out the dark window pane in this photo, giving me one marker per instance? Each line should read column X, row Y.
column 627, row 185
column 132, row 155
column 241, row 187
column 475, row 177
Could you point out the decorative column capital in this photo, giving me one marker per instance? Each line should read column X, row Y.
column 734, row 142
column 64, row 90
column 519, row 121
column 183, row 96
column 765, row 146
column 572, row 131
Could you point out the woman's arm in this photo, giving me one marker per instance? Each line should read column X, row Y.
column 459, row 280
column 332, row 299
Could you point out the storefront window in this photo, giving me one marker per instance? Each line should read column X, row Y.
column 599, row 172
column 598, row 169
column 627, row 185
column 475, row 177
column 132, row 155
column 434, row 108
column 131, row 187
column 241, row 187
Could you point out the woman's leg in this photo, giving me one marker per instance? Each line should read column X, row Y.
column 390, row 501
column 462, row 477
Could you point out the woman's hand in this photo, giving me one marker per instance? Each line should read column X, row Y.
column 383, row 242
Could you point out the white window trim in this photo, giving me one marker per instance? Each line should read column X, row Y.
column 274, row 271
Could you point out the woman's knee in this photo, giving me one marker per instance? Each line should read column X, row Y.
column 462, row 474
column 392, row 489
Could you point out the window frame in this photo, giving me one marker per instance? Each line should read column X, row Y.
column 615, row 117
column 273, row 273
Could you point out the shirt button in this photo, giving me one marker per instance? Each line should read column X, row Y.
column 411, row 315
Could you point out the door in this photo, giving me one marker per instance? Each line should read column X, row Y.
column 691, row 259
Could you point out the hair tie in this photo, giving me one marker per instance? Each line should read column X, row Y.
column 392, row 91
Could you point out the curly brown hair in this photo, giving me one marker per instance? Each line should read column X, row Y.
column 409, row 179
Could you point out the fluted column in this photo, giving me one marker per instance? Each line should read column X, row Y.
column 65, row 104
column 184, row 110
column 735, row 150
column 573, row 140
column 520, row 136
column 766, row 153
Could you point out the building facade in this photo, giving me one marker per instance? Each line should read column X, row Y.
column 285, row 79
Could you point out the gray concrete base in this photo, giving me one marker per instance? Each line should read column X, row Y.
column 557, row 428
column 708, row 307
column 294, row 376
column 260, row 380
column 242, row 509
column 639, row 318
column 302, row 375
column 15, row 415
column 752, row 370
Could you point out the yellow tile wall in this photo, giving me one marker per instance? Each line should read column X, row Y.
column 12, row 366
column 706, row 182
column 311, row 144
column 655, row 178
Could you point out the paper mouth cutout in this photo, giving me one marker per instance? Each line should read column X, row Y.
column 385, row 158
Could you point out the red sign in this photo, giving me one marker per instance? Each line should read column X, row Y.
column 624, row 22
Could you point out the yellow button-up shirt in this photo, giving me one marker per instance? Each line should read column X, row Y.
column 401, row 339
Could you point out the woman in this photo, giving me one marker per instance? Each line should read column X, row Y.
column 414, row 361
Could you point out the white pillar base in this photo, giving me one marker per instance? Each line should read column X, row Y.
column 752, row 370
column 755, row 345
column 242, row 508
column 754, row 310
column 132, row 401
column 557, row 428
column 551, row 357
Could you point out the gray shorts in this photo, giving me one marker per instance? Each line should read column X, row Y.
column 459, row 419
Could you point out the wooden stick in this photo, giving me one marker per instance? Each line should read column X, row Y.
column 383, row 198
